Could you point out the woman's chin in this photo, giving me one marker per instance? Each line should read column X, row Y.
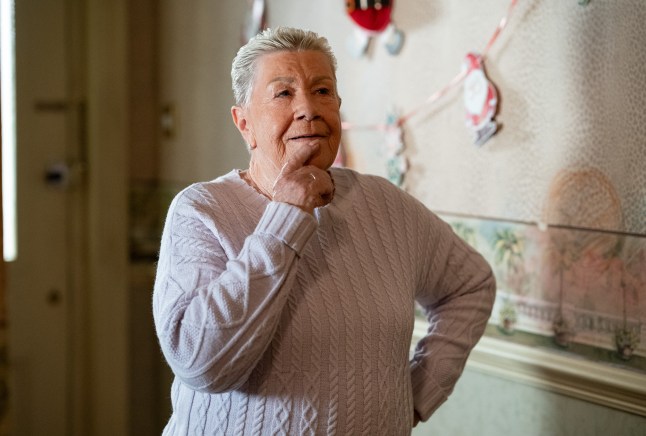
column 323, row 164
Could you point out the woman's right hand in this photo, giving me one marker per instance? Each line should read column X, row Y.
column 302, row 185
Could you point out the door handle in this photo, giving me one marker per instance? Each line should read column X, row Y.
column 63, row 174
column 57, row 174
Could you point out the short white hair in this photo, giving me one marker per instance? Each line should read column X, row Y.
column 269, row 41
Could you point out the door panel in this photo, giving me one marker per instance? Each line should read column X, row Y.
column 39, row 291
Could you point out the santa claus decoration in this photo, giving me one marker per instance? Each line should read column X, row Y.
column 373, row 20
column 480, row 100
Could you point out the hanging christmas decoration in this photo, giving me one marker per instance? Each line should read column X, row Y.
column 481, row 106
column 255, row 20
column 480, row 100
column 373, row 20
column 396, row 162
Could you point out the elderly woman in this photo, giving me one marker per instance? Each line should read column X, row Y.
column 285, row 293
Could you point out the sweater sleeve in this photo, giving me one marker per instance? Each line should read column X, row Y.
column 215, row 316
column 457, row 296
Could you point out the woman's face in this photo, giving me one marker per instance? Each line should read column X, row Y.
column 293, row 102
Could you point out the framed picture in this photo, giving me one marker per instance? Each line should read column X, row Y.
column 569, row 311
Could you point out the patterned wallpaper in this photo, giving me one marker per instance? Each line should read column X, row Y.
column 572, row 89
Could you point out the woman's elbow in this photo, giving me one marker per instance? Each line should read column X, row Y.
column 217, row 375
column 213, row 381
column 488, row 290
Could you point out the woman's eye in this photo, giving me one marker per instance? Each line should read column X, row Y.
column 282, row 93
column 323, row 91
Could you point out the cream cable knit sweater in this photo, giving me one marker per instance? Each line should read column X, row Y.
column 277, row 322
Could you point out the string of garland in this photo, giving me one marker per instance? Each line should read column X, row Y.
column 397, row 164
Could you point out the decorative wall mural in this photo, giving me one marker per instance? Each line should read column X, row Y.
column 571, row 290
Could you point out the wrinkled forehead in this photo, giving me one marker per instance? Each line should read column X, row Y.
column 293, row 64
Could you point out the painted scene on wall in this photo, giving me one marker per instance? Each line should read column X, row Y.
column 569, row 290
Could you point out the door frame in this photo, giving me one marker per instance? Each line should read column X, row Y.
column 107, row 219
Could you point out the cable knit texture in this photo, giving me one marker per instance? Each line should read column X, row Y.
column 277, row 322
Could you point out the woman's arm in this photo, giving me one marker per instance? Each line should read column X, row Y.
column 215, row 316
column 457, row 297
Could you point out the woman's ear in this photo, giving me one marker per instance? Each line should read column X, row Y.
column 242, row 123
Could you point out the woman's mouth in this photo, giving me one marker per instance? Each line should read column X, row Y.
column 305, row 137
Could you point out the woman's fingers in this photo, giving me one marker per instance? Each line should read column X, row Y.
column 305, row 186
column 321, row 185
column 299, row 158
column 308, row 187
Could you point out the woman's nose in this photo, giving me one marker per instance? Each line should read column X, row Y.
column 305, row 107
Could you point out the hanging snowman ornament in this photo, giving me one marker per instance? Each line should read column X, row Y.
column 373, row 20
column 480, row 100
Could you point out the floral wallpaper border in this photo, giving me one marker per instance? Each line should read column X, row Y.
column 575, row 291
